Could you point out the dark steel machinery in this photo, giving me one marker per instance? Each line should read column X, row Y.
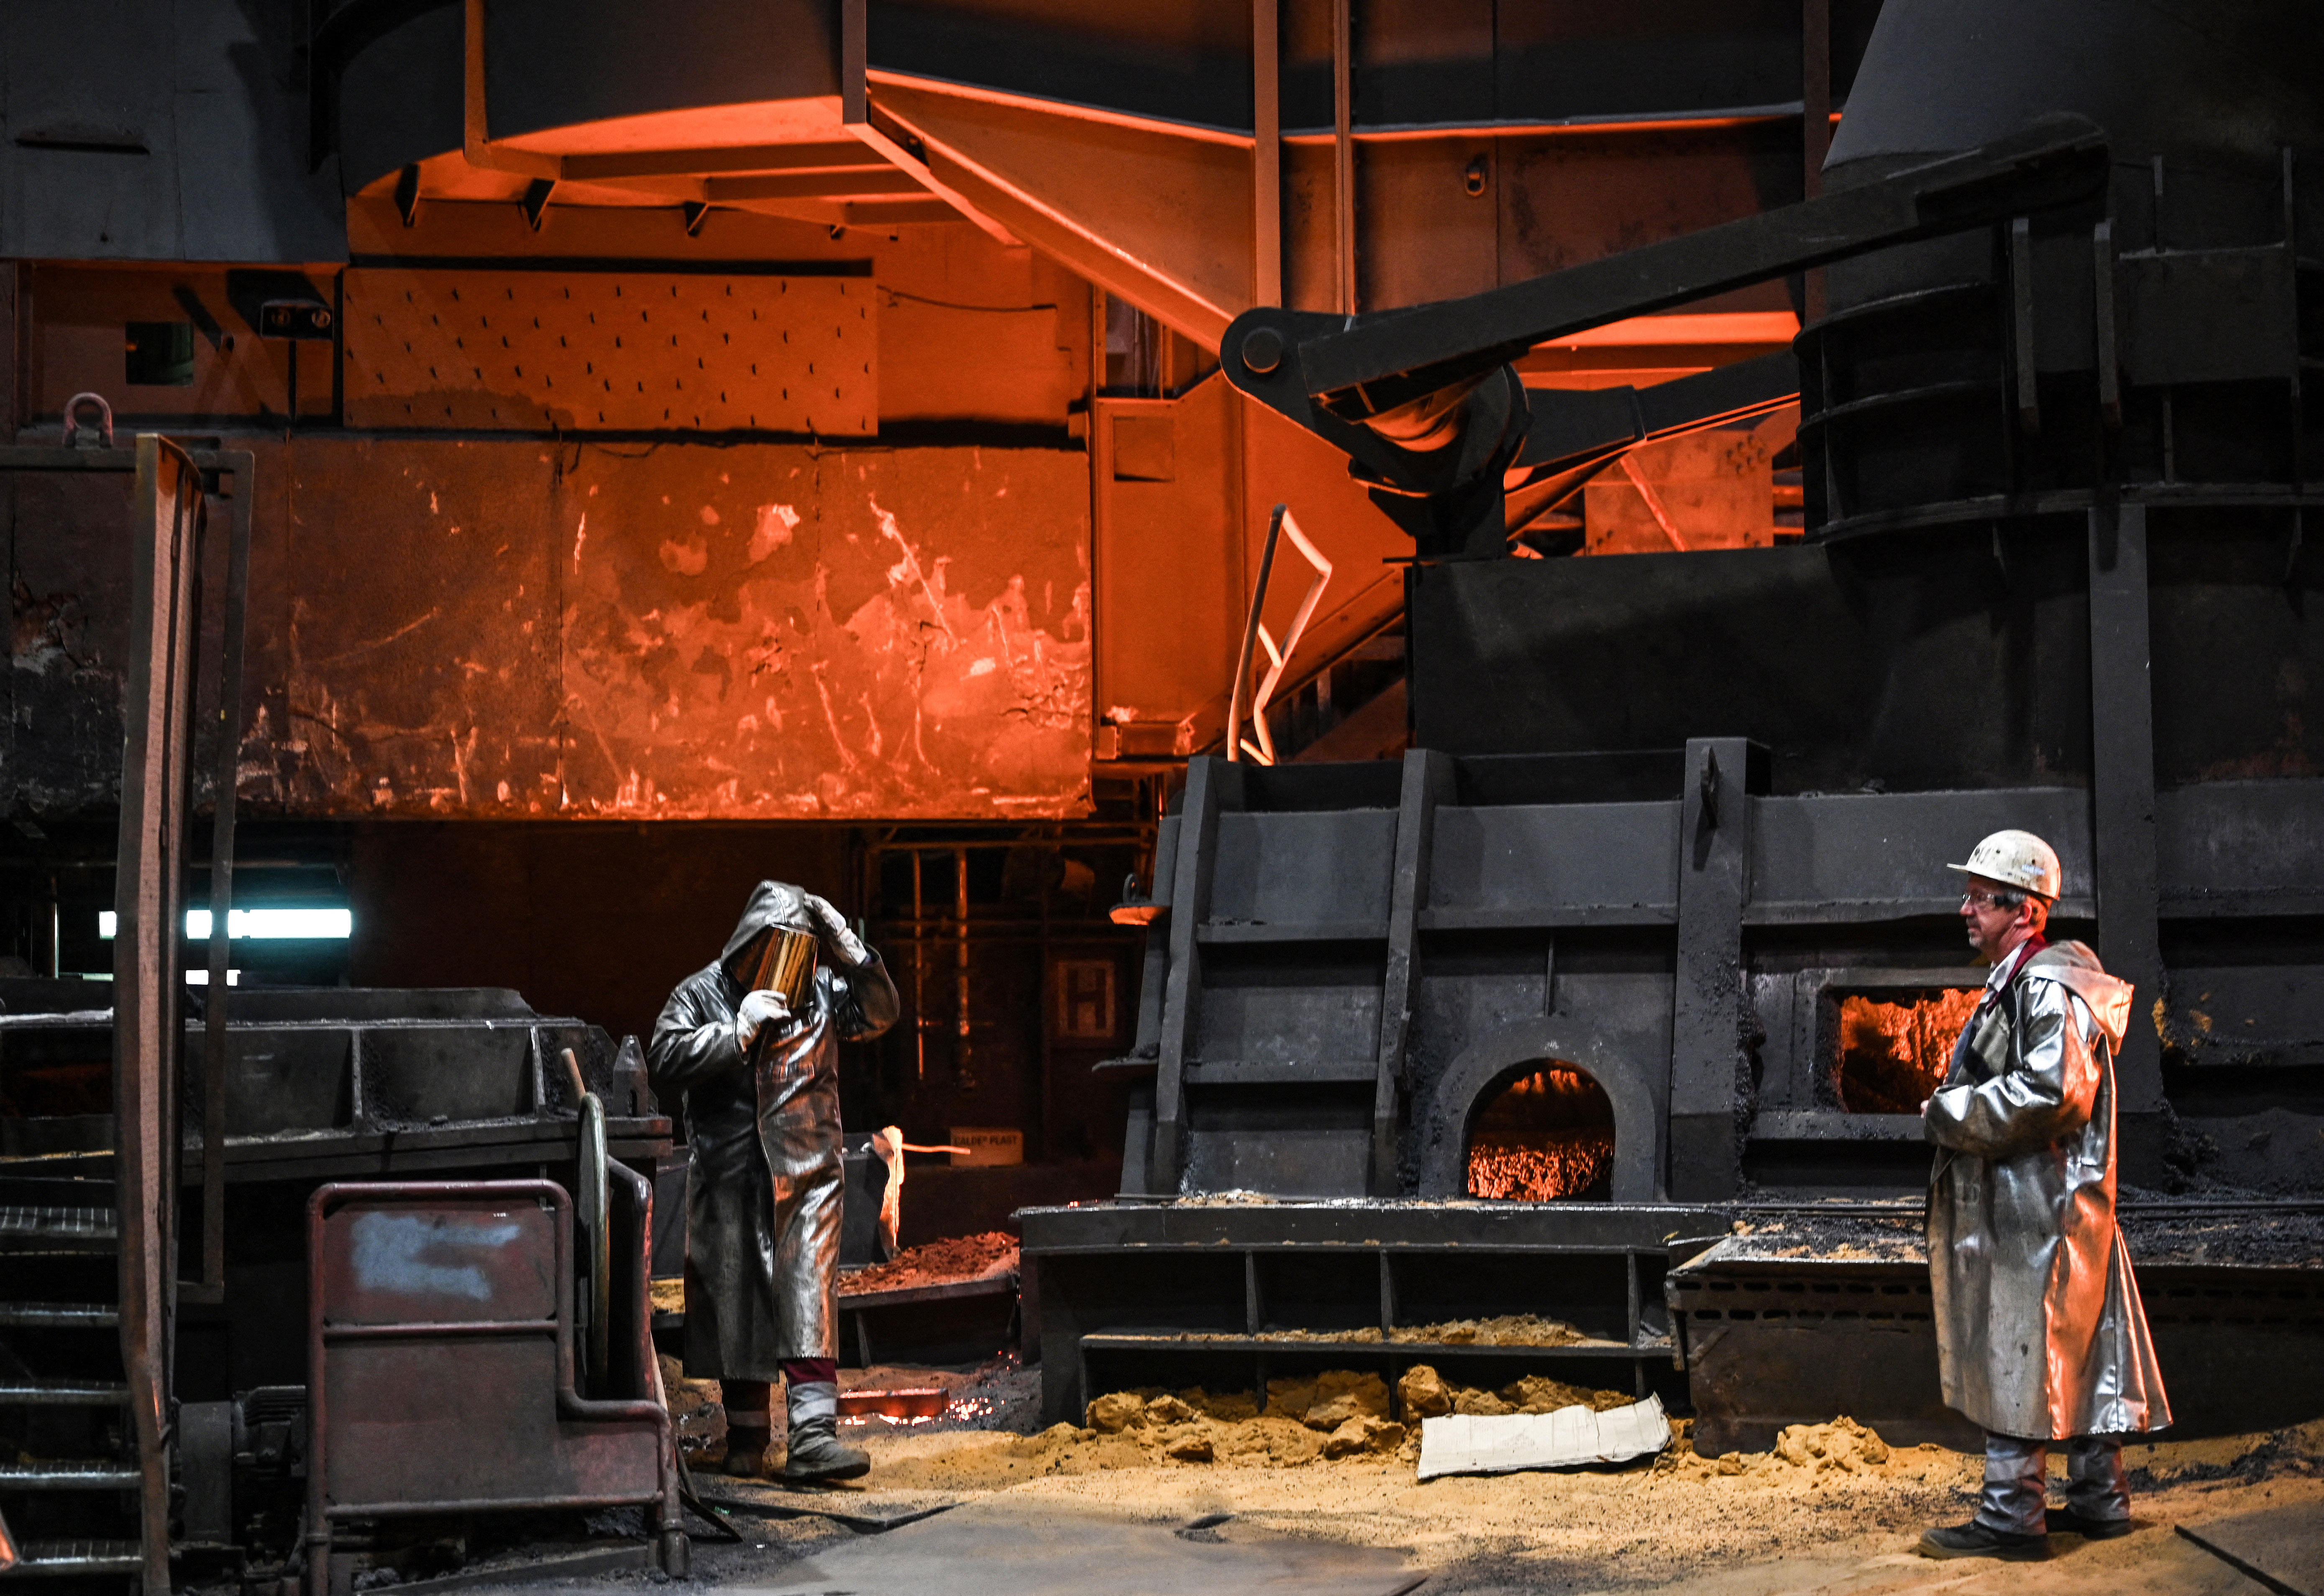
column 1671, row 820
column 444, row 1375
column 319, row 1085
column 291, row 1087
column 173, row 490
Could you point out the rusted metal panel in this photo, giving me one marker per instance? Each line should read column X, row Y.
column 798, row 633
column 498, row 629
column 1427, row 219
column 999, row 363
column 441, row 1366
column 622, row 351
column 1186, row 487
column 404, row 631
column 1567, row 198
column 76, row 337
column 1162, row 219
column 678, row 632
column 1171, row 569
column 488, row 1258
column 69, row 620
column 1701, row 490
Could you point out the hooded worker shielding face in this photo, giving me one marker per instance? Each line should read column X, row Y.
column 765, row 1182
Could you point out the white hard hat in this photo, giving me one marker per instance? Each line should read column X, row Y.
column 2017, row 859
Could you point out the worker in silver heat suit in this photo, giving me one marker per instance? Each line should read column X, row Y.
column 2040, row 1333
column 765, row 1183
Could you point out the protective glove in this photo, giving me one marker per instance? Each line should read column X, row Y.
column 758, row 1009
column 844, row 946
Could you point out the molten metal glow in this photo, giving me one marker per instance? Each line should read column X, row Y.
column 1891, row 1056
column 1549, row 1135
column 1574, row 1162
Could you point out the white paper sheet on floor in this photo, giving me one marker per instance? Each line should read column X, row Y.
column 1504, row 1443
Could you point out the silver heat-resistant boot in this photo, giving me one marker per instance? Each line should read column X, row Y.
column 816, row 1452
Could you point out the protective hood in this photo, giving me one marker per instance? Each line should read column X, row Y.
column 2076, row 968
column 772, row 904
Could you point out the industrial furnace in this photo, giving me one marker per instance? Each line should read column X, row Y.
column 850, row 430
column 1654, row 912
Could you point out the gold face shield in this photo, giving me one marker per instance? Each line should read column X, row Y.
column 786, row 965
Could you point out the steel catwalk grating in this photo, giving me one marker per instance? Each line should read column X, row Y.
column 89, row 1228
column 58, row 1315
column 68, row 1476
column 77, row 1557
column 63, row 1393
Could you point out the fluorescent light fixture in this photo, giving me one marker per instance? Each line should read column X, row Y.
column 308, row 925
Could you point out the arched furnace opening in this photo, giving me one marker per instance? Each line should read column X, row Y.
column 1547, row 1134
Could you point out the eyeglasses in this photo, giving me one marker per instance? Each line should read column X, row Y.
column 1975, row 899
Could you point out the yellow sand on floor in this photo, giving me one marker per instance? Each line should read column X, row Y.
column 1825, row 1511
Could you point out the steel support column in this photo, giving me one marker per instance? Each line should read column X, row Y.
column 218, row 997
column 1343, row 157
column 1707, row 1008
column 1815, row 127
column 1427, row 782
column 2122, row 818
column 1210, row 784
column 1267, row 153
column 148, row 954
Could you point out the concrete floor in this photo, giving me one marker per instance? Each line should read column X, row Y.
column 1369, row 1529
column 1009, row 1545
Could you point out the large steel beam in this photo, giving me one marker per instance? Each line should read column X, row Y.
column 2122, row 818
column 1571, row 435
column 241, row 467
column 1391, row 360
column 1162, row 219
column 148, row 976
column 1211, row 784
column 1707, row 1006
column 1427, row 782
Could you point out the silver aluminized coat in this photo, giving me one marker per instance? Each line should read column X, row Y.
column 765, row 1181
column 2039, row 1331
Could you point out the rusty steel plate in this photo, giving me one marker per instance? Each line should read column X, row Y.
column 619, row 351
column 509, row 629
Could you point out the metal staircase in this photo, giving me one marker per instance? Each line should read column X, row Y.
column 70, row 1487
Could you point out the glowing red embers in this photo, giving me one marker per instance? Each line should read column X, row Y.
column 923, row 1402
column 1547, row 1135
column 1893, row 1055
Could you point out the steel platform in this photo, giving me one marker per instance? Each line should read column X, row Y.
column 1749, row 1316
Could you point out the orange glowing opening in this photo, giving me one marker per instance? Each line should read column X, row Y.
column 1893, row 1055
column 1549, row 1135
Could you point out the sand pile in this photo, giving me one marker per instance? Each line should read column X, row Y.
column 1509, row 1330
column 1425, row 1394
column 1802, row 1452
column 1506, row 1330
column 1168, row 1433
column 956, row 1258
column 1334, row 1415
